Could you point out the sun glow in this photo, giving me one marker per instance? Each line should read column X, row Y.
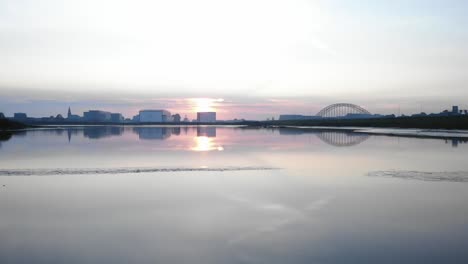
column 205, row 104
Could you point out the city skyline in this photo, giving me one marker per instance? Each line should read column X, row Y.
column 224, row 108
column 206, row 113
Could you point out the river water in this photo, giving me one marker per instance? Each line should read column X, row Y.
column 231, row 195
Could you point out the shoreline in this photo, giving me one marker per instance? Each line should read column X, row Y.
column 425, row 122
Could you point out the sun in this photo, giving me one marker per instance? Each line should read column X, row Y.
column 205, row 104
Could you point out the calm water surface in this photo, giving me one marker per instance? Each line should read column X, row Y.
column 285, row 196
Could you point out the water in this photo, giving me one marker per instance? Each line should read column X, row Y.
column 231, row 195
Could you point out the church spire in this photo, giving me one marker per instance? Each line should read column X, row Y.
column 69, row 113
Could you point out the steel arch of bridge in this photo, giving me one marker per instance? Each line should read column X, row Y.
column 342, row 109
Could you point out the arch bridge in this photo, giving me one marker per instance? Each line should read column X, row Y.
column 342, row 110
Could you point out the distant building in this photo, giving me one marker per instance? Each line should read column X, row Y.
column 155, row 116
column 72, row 117
column 422, row 114
column 117, row 117
column 235, row 120
column 97, row 116
column 186, row 119
column 176, row 118
column 297, row 117
column 455, row 111
column 206, row 117
column 2, row 116
column 20, row 116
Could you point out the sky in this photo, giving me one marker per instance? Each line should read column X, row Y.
column 251, row 59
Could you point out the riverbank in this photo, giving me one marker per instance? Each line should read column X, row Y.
column 6, row 124
column 428, row 122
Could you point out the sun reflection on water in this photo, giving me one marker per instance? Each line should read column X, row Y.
column 206, row 144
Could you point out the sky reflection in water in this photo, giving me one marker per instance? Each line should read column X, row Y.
column 321, row 207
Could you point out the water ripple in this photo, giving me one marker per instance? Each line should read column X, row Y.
column 437, row 176
column 84, row 171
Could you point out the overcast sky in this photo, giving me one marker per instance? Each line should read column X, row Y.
column 263, row 57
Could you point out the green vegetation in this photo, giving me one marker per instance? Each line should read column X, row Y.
column 6, row 124
column 429, row 122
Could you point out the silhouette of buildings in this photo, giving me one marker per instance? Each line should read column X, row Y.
column 136, row 118
column 297, row 117
column 207, row 117
column 176, row 118
column 71, row 117
column 20, row 116
column 97, row 116
column 2, row 116
column 117, row 117
column 155, row 116
column 335, row 111
column 102, row 116
column 454, row 112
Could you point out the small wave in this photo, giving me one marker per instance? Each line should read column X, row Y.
column 421, row 133
column 84, row 171
column 442, row 176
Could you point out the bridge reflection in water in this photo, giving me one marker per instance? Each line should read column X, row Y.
column 342, row 139
column 336, row 138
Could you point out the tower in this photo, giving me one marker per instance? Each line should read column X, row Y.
column 69, row 113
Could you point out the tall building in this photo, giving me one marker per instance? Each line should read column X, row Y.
column 455, row 109
column 155, row 116
column 117, row 117
column 71, row 116
column 206, row 117
column 20, row 116
column 97, row 116
column 176, row 118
